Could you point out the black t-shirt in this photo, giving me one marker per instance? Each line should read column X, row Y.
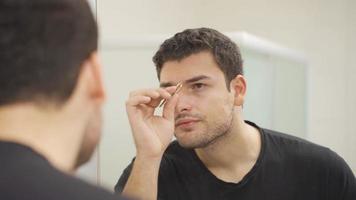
column 287, row 168
column 26, row 175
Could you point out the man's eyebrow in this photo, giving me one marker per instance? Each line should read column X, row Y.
column 191, row 80
column 166, row 84
column 196, row 78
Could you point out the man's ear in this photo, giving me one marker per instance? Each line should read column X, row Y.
column 238, row 88
column 91, row 75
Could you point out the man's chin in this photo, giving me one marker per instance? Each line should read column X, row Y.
column 190, row 144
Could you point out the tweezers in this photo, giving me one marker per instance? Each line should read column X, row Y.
column 179, row 87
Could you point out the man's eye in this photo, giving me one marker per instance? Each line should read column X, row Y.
column 198, row 86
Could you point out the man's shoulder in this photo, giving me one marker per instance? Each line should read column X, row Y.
column 283, row 142
column 306, row 158
column 298, row 149
column 27, row 175
column 291, row 143
column 47, row 183
column 72, row 187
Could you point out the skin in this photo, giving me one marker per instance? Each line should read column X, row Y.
column 205, row 116
column 196, row 122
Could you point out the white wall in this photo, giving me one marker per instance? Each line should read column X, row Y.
column 323, row 29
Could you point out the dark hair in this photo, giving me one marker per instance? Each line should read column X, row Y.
column 43, row 43
column 225, row 52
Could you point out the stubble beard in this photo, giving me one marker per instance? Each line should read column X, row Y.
column 210, row 135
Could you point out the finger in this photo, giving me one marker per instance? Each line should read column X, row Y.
column 145, row 92
column 164, row 94
column 171, row 89
column 169, row 108
column 153, row 94
column 156, row 95
column 137, row 100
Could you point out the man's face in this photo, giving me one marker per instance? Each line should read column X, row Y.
column 204, row 110
column 93, row 121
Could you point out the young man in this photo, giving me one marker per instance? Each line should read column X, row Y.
column 218, row 155
column 51, row 95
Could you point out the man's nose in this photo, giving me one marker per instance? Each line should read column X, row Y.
column 184, row 103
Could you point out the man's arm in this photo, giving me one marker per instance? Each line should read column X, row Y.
column 152, row 135
column 143, row 180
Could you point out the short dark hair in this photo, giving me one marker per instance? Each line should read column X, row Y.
column 43, row 43
column 191, row 41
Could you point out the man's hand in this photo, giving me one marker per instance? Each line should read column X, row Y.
column 152, row 134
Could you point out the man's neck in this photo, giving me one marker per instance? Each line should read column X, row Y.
column 41, row 130
column 232, row 156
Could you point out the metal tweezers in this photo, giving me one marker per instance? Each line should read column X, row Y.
column 179, row 87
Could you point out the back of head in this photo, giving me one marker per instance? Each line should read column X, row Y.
column 42, row 46
column 191, row 41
